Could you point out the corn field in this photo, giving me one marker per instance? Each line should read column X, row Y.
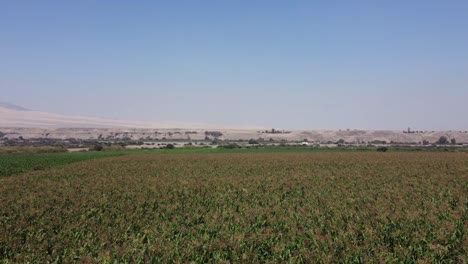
column 240, row 208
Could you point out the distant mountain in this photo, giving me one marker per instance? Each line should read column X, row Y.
column 13, row 107
column 13, row 116
column 16, row 116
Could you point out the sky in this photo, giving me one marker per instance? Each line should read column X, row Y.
column 283, row 64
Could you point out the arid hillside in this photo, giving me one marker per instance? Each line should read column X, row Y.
column 320, row 136
column 17, row 121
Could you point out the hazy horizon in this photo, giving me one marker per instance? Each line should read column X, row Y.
column 288, row 65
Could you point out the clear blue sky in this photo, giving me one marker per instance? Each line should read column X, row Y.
column 283, row 64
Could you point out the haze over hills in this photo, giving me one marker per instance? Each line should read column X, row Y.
column 9, row 106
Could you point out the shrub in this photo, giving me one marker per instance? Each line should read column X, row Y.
column 382, row 149
column 170, row 146
column 230, row 146
column 98, row 148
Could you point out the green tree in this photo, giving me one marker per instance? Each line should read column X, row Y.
column 253, row 141
column 443, row 140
